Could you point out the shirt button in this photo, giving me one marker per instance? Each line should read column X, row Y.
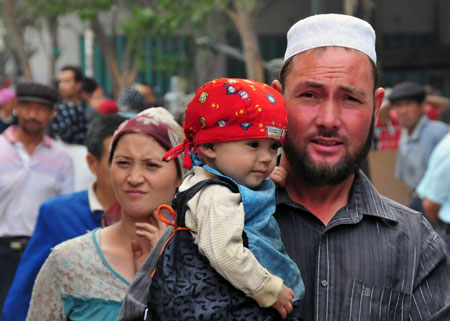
column 324, row 283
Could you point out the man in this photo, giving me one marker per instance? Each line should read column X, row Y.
column 419, row 136
column 88, row 89
column 33, row 168
column 73, row 114
column 362, row 256
column 65, row 217
column 434, row 189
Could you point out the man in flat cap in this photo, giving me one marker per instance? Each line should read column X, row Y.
column 362, row 256
column 419, row 136
column 33, row 168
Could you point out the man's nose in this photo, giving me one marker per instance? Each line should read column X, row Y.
column 329, row 115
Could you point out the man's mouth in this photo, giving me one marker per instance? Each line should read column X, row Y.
column 326, row 142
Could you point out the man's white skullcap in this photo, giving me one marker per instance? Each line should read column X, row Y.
column 331, row 30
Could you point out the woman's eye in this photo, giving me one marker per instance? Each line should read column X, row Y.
column 153, row 165
column 122, row 163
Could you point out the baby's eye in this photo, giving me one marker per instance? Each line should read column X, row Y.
column 275, row 145
column 253, row 144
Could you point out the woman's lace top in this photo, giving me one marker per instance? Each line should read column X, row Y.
column 76, row 283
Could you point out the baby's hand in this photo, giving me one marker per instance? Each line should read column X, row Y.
column 284, row 302
column 279, row 175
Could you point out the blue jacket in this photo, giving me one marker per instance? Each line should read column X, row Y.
column 60, row 218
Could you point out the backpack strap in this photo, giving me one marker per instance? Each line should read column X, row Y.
column 179, row 203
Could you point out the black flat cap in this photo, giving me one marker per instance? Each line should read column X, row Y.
column 38, row 92
column 407, row 90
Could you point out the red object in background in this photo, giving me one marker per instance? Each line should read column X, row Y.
column 107, row 106
column 389, row 134
column 6, row 83
column 432, row 112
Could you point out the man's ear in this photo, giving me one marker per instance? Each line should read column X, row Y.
column 208, row 150
column 276, row 84
column 378, row 100
column 92, row 163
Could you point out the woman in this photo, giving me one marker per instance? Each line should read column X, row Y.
column 87, row 277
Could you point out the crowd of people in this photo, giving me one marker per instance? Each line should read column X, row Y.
column 255, row 208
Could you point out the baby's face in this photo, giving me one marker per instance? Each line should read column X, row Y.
column 249, row 162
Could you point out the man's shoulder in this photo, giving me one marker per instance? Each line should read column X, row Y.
column 67, row 203
column 436, row 127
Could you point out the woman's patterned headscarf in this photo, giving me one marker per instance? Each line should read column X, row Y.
column 156, row 122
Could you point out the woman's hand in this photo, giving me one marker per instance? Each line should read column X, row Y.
column 148, row 234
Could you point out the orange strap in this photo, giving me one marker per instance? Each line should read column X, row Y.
column 168, row 222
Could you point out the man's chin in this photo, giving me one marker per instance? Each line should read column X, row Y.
column 33, row 130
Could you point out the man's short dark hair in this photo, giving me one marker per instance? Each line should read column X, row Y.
column 78, row 73
column 101, row 127
column 89, row 85
column 375, row 69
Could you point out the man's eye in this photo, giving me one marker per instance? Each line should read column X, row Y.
column 307, row 95
column 351, row 98
column 253, row 144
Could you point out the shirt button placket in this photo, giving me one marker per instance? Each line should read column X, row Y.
column 322, row 280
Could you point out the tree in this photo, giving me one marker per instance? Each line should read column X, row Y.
column 170, row 16
column 14, row 28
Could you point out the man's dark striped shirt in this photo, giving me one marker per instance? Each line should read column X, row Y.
column 375, row 260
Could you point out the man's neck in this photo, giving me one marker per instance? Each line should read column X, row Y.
column 74, row 100
column 29, row 141
column 105, row 198
column 323, row 201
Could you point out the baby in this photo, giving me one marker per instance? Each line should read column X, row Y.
column 234, row 129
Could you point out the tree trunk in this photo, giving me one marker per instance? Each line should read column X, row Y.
column 11, row 22
column 110, row 56
column 52, row 25
column 243, row 18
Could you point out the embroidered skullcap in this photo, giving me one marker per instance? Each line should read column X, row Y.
column 131, row 100
column 6, row 95
column 326, row 30
column 231, row 109
column 156, row 122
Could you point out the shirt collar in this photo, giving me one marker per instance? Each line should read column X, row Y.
column 364, row 200
column 9, row 134
column 94, row 204
column 415, row 135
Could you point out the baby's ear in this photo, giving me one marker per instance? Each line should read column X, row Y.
column 207, row 150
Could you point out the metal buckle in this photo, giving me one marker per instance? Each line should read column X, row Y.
column 16, row 245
